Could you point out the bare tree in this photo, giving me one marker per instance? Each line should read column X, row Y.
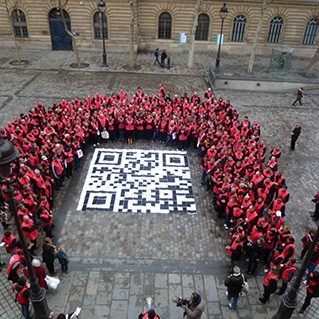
column 265, row 4
column 313, row 62
column 133, row 6
column 15, row 5
column 197, row 10
column 61, row 5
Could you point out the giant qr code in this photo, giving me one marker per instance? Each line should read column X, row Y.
column 138, row 181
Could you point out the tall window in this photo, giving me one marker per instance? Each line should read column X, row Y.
column 202, row 27
column 97, row 24
column 19, row 24
column 239, row 28
column 311, row 32
column 165, row 26
column 275, row 29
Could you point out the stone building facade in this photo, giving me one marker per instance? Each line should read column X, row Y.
column 163, row 24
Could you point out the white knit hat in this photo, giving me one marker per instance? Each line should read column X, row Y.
column 36, row 263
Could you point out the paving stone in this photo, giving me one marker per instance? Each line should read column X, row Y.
column 92, row 284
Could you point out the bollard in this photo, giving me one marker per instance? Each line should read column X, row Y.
column 168, row 63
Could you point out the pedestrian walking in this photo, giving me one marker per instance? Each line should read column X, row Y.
column 234, row 283
column 312, row 290
column 163, row 58
column 300, row 94
column 157, row 54
column 270, row 284
column 294, row 136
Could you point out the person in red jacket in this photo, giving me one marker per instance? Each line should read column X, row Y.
column 148, row 314
column 286, row 273
column 15, row 263
column 270, row 284
column 47, row 222
column 30, row 231
column 39, row 271
column 235, row 250
column 22, row 290
column 307, row 239
column 312, row 290
column 58, row 172
column 10, row 241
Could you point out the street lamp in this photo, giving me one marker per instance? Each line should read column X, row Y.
column 289, row 300
column 8, row 154
column 223, row 14
column 102, row 7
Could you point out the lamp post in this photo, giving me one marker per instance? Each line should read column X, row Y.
column 223, row 14
column 102, row 7
column 289, row 301
column 37, row 295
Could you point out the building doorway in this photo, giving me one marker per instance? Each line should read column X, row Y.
column 61, row 41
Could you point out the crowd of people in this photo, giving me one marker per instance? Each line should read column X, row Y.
column 247, row 188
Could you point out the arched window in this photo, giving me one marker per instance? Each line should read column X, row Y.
column 311, row 31
column 239, row 28
column 202, row 27
column 165, row 26
column 19, row 24
column 275, row 30
column 97, row 24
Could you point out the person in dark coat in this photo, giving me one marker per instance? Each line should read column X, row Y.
column 257, row 252
column 163, row 58
column 48, row 254
column 234, row 284
column 315, row 200
column 294, row 136
column 300, row 94
column 156, row 55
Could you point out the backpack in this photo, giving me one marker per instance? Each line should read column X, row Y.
column 245, row 286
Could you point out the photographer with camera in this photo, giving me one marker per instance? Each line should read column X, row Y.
column 193, row 307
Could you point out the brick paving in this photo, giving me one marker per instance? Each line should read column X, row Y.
column 111, row 277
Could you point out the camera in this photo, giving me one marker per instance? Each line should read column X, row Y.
column 180, row 301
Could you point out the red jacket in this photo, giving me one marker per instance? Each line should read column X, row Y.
column 29, row 230
column 22, row 296
column 270, row 276
column 288, row 271
column 10, row 243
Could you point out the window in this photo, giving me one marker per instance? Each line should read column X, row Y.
column 202, row 27
column 275, row 30
column 239, row 28
column 97, row 24
column 311, row 32
column 19, row 24
column 164, row 26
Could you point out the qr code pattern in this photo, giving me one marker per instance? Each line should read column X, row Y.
column 138, row 181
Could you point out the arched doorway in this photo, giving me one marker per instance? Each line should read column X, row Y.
column 61, row 41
